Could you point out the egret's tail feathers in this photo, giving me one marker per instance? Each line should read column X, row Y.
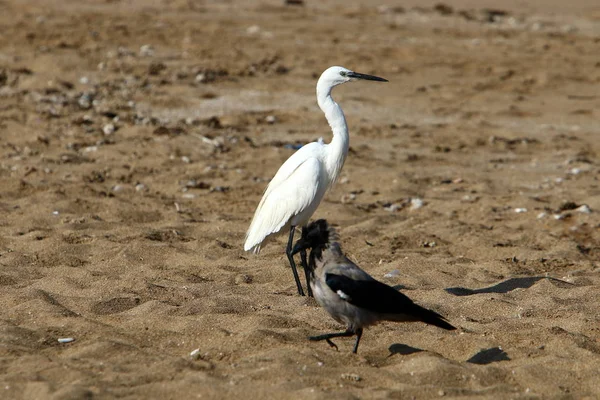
column 252, row 243
column 254, row 249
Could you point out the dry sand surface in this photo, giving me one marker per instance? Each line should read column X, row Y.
column 137, row 138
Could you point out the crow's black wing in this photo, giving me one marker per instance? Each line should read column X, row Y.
column 369, row 294
column 381, row 298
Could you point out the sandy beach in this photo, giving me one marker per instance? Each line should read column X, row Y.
column 137, row 138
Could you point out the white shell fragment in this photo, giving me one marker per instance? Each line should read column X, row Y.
column 195, row 354
column 584, row 209
column 416, row 203
column 520, row 210
column 392, row 274
column 66, row 340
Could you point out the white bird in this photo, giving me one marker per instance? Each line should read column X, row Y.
column 350, row 295
column 299, row 185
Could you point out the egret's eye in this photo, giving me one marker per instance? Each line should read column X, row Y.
column 343, row 73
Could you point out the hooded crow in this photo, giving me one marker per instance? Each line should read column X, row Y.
column 350, row 295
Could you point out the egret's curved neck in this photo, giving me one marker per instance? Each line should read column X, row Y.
column 338, row 148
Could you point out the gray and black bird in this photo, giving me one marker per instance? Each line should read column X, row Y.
column 350, row 295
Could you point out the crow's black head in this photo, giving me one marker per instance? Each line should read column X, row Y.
column 316, row 236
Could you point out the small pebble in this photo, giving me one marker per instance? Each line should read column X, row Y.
column 146, row 50
column 271, row 119
column 66, row 340
column 140, row 187
column 243, row 278
column 347, row 198
column 416, row 203
column 186, row 159
column 117, row 188
column 55, row 212
column 541, row 215
column 392, row 208
column 251, row 30
column 351, row 377
column 520, row 210
column 108, row 129
column 85, row 101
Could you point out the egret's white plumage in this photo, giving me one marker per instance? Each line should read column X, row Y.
column 299, row 185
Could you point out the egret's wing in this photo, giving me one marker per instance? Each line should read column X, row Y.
column 291, row 164
column 285, row 198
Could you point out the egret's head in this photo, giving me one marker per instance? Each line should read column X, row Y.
column 334, row 76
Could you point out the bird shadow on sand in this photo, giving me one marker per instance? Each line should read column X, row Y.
column 508, row 285
column 482, row 357
column 403, row 349
column 488, row 356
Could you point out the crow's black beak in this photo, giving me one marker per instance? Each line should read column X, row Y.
column 299, row 246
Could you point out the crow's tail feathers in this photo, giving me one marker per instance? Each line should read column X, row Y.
column 431, row 318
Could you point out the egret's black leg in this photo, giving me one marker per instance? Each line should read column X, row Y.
column 358, row 335
column 305, row 264
column 288, row 251
column 327, row 337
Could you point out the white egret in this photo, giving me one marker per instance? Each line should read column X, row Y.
column 299, row 185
